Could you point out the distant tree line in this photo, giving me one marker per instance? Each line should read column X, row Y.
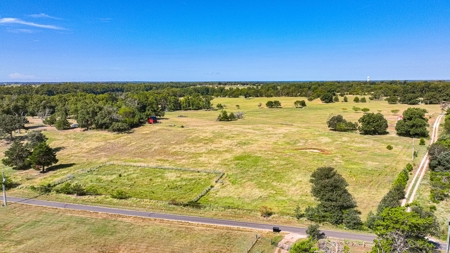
column 428, row 92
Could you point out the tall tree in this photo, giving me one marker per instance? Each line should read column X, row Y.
column 413, row 124
column 9, row 123
column 330, row 189
column 17, row 156
column 43, row 155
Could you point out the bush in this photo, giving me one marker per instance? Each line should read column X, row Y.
column 327, row 98
column 389, row 147
column 356, row 100
column 266, row 211
column 313, row 231
column 298, row 213
column 409, row 167
column 363, row 100
column 120, row 194
column 345, row 99
column 119, row 127
column 422, row 141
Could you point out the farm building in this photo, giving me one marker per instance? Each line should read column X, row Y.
column 152, row 120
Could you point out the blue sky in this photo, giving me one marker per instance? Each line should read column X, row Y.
column 186, row 40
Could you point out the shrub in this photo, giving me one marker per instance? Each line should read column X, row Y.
column 78, row 189
column 120, row 194
column 345, row 99
column 409, row 167
column 389, row 147
column 356, row 100
column 363, row 100
column 266, row 211
column 422, row 141
column 119, row 127
column 313, row 231
column 298, row 213
column 352, row 219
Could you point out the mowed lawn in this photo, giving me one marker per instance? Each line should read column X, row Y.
column 26, row 228
column 268, row 156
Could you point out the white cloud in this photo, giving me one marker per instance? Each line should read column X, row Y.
column 43, row 15
column 21, row 22
column 18, row 76
column 20, row 31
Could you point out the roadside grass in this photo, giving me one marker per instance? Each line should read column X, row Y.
column 26, row 228
column 267, row 157
column 146, row 183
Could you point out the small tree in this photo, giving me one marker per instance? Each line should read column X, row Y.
column 336, row 99
column 276, row 104
column 219, row 106
column 238, row 107
column 413, row 124
column 17, row 156
column 269, row 104
column 356, row 109
column 363, row 100
column 327, row 98
column 62, row 123
column 356, row 100
column 395, row 111
column 345, row 99
column 313, row 231
column 43, row 155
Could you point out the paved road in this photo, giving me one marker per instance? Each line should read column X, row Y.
column 184, row 218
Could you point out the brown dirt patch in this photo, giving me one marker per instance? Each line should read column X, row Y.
column 315, row 150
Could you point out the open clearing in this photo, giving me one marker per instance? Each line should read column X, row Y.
column 146, row 183
column 267, row 157
column 26, row 228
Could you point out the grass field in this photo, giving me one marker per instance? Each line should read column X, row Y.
column 37, row 229
column 267, row 157
column 146, row 183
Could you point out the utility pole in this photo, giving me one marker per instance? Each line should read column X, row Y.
column 4, row 188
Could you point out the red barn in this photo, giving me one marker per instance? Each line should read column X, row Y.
column 152, row 120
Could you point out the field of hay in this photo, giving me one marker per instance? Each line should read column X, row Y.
column 26, row 228
column 267, row 157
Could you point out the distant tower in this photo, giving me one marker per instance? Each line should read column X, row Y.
column 368, row 78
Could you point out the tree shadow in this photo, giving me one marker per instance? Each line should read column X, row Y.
column 57, row 149
column 59, row 166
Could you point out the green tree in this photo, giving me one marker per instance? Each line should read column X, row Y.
column 87, row 111
column 345, row 99
column 276, row 104
column 356, row 100
column 413, row 124
column 400, row 231
column 363, row 100
column 327, row 98
column 395, row 111
column 17, row 156
column 373, row 124
column 106, row 117
column 392, row 100
column 336, row 99
column 330, row 189
column 34, row 138
column 43, row 155
column 9, row 123
column 270, row 104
